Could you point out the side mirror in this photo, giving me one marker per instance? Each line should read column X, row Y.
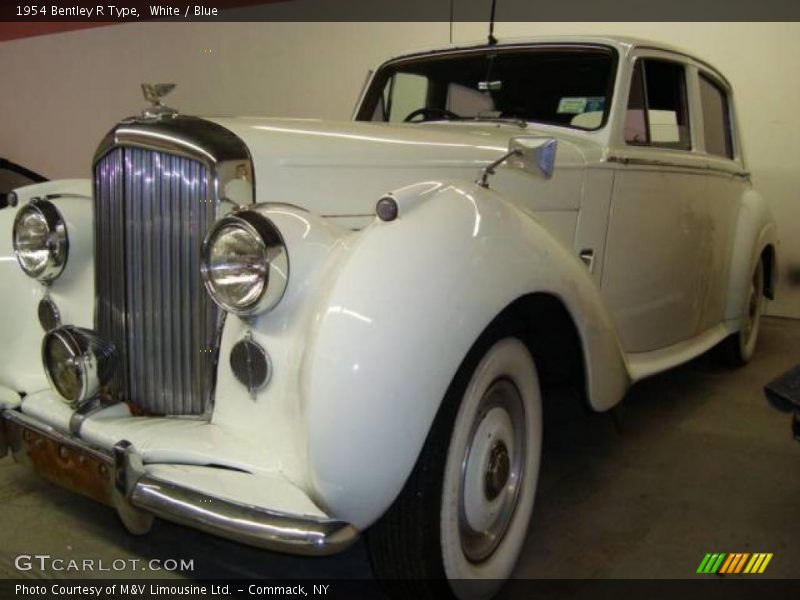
column 525, row 152
column 533, row 154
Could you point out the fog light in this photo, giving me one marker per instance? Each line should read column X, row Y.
column 250, row 364
column 77, row 362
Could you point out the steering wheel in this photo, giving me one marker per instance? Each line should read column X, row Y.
column 430, row 112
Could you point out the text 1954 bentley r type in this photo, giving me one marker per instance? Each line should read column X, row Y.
column 287, row 332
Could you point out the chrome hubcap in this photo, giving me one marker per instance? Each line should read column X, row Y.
column 492, row 470
column 497, row 471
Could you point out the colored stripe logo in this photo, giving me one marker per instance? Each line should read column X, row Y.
column 734, row 563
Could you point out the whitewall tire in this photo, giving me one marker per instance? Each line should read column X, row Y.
column 740, row 347
column 491, row 471
column 459, row 524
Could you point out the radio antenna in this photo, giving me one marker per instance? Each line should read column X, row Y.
column 451, row 20
column 492, row 40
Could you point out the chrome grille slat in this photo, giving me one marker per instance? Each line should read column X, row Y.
column 110, row 288
column 152, row 211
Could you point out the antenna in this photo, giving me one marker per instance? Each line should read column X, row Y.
column 492, row 39
column 451, row 20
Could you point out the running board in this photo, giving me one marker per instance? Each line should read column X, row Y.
column 646, row 364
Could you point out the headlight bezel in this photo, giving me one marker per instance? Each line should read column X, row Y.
column 56, row 244
column 274, row 251
column 93, row 359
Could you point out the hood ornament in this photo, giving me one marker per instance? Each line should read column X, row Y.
column 153, row 93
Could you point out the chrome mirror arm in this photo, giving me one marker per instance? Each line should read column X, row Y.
column 483, row 181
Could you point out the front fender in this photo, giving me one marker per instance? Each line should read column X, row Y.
column 409, row 301
column 20, row 352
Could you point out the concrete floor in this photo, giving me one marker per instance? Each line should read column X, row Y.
column 701, row 464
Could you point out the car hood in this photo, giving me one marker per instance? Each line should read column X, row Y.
column 342, row 168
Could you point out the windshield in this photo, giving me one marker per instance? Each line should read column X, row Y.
column 567, row 86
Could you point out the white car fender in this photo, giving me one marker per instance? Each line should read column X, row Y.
column 755, row 232
column 73, row 292
column 409, row 301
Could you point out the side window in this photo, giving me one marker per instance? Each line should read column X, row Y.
column 657, row 108
column 636, row 121
column 716, row 118
column 403, row 94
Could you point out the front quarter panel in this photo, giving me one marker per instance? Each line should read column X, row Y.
column 408, row 303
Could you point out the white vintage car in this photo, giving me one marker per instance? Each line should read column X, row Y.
column 287, row 332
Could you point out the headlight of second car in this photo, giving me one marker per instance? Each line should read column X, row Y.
column 40, row 240
column 245, row 264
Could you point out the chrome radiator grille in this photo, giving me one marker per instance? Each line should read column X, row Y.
column 152, row 210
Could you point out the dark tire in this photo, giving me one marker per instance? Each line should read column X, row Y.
column 418, row 544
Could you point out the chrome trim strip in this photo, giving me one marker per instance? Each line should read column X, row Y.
column 653, row 162
column 135, row 490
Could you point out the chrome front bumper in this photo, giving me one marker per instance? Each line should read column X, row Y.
column 120, row 480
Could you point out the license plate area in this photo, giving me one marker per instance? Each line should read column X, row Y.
column 65, row 463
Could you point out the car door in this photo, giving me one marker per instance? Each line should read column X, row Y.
column 657, row 242
column 726, row 183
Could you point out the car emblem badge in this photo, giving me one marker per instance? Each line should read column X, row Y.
column 153, row 93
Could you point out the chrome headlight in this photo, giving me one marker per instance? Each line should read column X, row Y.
column 245, row 265
column 77, row 362
column 40, row 240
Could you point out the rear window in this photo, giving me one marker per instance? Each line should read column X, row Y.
column 716, row 118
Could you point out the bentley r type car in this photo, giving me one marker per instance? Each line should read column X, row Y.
column 293, row 332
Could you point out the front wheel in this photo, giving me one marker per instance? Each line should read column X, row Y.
column 464, row 512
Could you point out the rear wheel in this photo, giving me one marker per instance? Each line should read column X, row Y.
column 738, row 348
column 464, row 512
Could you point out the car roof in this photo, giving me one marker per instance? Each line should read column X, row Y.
column 622, row 43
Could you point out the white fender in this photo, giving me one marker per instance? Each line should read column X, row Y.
column 755, row 231
column 73, row 292
column 409, row 301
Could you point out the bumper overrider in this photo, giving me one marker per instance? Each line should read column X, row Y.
column 120, row 480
